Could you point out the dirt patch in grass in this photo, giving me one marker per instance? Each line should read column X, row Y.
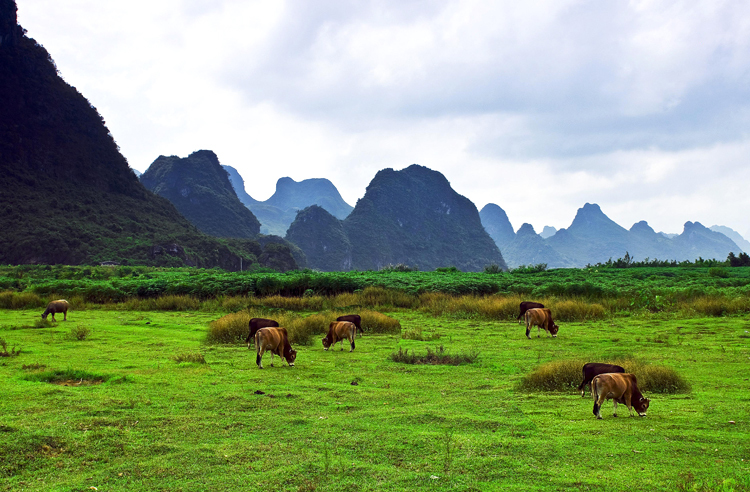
column 80, row 382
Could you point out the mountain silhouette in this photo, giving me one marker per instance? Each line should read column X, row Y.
column 200, row 189
column 67, row 194
column 278, row 212
column 414, row 217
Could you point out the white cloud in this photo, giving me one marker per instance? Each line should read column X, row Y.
column 537, row 106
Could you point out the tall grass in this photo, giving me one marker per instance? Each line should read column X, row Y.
column 233, row 328
column 566, row 375
column 685, row 303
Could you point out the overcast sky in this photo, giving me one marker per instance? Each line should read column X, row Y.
column 538, row 106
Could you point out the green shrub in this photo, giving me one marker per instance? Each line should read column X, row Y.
column 80, row 332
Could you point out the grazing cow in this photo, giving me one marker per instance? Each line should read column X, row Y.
column 276, row 341
column 592, row 369
column 620, row 388
column 354, row 318
column 255, row 325
column 59, row 306
column 525, row 306
column 542, row 319
column 340, row 331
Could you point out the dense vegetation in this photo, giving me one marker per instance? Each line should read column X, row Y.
column 198, row 186
column 67, row 194
column 576, row 294
column 414, row 217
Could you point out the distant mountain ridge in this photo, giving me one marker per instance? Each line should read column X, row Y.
column 278, row 212
column 593, row 238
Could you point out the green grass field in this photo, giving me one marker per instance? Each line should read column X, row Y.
column 343, row 421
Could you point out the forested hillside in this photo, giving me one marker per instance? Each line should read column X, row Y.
column 67, row 194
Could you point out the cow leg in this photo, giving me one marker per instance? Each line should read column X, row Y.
column 351, row 341
column 259, row 357
column 53, row 318
column 65, row 316
column 528, row 330
column 614, row 401
column 271, row 358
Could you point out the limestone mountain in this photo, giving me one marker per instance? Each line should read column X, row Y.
column 735, row 236
column 278, row 212
column 67, row 194
column 697, row 241
column 323, row 239
column 414, row 217
column 200, row 189
column 592, row 237
column 529, row 248
column 496, row 223
column 548, row 231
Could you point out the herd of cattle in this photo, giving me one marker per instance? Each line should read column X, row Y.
column 606, row 381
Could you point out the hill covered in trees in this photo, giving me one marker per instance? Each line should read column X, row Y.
column 411, row 217
column 198, row 186
column 67, row 194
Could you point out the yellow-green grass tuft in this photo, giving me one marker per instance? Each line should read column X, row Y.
column 566, row 375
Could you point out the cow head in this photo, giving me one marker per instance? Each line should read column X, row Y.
column 326, row 342
column 553, row 329
column 290, row 357
column 641, row 406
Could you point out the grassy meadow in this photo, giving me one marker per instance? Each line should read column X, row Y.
column 143, row 403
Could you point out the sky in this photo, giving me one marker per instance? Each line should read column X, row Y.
column 539, row 106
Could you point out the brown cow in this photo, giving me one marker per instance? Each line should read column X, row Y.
column 340, row 331
column 276, row 341
column 525, row 306
column 592, row 369
column 58, row 306
column 256, row 324
column 354, row 318
column 620, row 388
column 542, row 319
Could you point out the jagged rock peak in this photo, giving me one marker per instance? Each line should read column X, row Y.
column 526, row 230
column 642, row 226
column 10, row 31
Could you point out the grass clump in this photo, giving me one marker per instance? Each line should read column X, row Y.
column 416, row 333
column 193, row 357
column 43, row 323
column 559, row 375
column 566, row 375
column 233, row 328
column 435, row 357
column 4, row 349
column 80, row 332
column 64, row 375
